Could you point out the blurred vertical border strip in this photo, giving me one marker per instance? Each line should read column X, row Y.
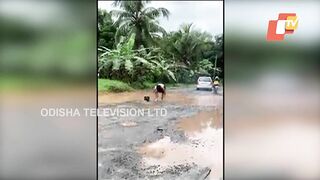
column 47, row 60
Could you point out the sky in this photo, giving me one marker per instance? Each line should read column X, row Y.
column 205, row 15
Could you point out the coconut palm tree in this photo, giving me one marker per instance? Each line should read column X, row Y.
column 187, row 45
column 135, row 17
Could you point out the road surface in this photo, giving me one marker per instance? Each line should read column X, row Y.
column 180, row 137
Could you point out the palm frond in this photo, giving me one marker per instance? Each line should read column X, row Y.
column 170, row 73
column 155, row 27
column 141, row 60
column 153, row 13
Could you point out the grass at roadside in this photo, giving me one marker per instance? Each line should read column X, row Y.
column 113, row 86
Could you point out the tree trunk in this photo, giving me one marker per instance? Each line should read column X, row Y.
column 138, row 38
column 138, row 31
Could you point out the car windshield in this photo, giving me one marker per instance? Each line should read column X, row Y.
column 205, row 79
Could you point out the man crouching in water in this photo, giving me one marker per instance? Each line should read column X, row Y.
column 159, row 88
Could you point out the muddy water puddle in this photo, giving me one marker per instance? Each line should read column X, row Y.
column 137, row 96
column 189, row 97
column 205, row 141
column 201, row 121
column 203, row 148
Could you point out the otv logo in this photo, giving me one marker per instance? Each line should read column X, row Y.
column 287, row 23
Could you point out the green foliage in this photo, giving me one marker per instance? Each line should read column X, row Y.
column 205, row 66
column 106, row 29
column 133, row 66
column 113, row 86
column 119, row 63
column 187, row 45
column 135, row 17
column 162, row 71
column 141, row 53
column 194, row 53
column 143, row 85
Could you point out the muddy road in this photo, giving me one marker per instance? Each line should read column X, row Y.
column 178, row 138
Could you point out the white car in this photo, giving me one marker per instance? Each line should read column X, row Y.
column 204, row 82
